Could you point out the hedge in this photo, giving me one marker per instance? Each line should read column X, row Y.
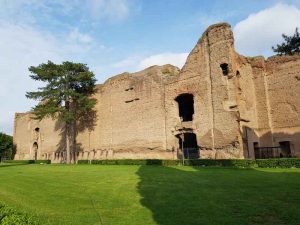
column 132, row 162
column 278, row 163
column 239, row 163
column 28, row 161
column 9, row 216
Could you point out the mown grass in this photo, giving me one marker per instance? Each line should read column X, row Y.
column 93, row 194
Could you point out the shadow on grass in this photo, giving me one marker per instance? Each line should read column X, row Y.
column 13, row 164
column 187, row 196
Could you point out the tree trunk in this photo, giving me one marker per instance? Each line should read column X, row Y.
column 68, row 124
column 74, row 149
column 68, row 138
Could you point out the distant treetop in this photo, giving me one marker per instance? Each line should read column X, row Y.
column 290, row 45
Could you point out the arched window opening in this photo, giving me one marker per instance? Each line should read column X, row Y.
column 35, row 148
column 186, row 106
column 225, row 70
column 36, row 133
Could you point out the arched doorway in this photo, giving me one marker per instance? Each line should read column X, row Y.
column 188, row 144
column 35, row 148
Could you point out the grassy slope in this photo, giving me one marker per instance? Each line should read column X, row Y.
column 138, row 195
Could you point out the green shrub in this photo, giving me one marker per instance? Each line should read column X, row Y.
column 278, row 163
column 83, row 162
column 9, row 216
column 240, row 163
column 191, row 162
column 29, row 161
column 131, row 162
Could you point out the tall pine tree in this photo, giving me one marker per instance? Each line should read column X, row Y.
column 66, row 96
column 290, row 45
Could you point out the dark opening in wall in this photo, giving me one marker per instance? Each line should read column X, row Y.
column 285, row 148
column 256, row 150
column 225, row 70
column 35, row 148
column 238, row 73
column 129, row 89
column 37, row 129
column 129, row 101
column 186, row 106
column 190, row 146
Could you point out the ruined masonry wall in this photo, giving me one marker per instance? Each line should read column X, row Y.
column 137, row 117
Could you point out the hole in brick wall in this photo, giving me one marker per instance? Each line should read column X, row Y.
column 136, row 99
column 225, row 70
column 238, row 73
column 129, row 101
column 285, row 148
column 37, row 129
column 189, row 145
column 233, row 107
column 186, row 106
column 129, row 89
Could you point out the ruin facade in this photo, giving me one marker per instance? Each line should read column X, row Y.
column 220, row 105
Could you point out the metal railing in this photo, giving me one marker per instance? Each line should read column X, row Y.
column 270, row 152
column 188, row 153
column 3, row 159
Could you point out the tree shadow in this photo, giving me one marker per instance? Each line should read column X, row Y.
column 87, row 122
column 13, row 164
column 191, row 195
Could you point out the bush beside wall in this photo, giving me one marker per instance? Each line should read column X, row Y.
column 29, row 161
column 132, row 162
column 9, row 216
column 278, row 163
column 239, row 163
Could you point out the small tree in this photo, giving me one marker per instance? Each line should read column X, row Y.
column 6, row 146
column 66, row 96
column 290, row 45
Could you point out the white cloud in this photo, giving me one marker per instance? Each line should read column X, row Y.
column 29, row 36
column 77, row 36
column 137, row 63
column 14, row 10
column 176, row 59
column 91, row 10
column 125, row 63
column 111, row 9
column 21, row 46
column 260, row 31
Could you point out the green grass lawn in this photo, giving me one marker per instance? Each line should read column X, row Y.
column 139, row 195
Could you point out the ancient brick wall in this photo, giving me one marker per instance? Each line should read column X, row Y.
column 220, row 102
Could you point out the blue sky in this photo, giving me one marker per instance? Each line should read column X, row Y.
column 113, row 36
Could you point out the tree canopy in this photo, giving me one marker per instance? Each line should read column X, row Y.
column 290, row 45
column 66, row 95
column 6, row 145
